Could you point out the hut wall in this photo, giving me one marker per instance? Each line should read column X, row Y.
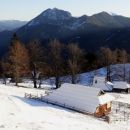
column 103, row 110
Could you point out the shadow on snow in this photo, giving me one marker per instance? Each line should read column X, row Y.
column 36, row 103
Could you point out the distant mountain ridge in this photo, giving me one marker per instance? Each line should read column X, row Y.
column 60, row 17
column 55, row 23
column 91, row 32
column 11, row 24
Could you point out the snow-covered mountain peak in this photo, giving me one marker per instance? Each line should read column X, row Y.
column 108, row 13
column 112, row 14
column 56, row 14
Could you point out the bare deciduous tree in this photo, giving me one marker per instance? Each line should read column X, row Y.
column 122, row 58
column 74, row 61
column 124, row 61
column 107, row 59
column 4, row 68
column 36, row 60
column 17, row 59
column 55, row 61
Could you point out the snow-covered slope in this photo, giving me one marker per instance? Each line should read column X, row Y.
column 85, row 78
column 18, row 113
column 117, row 73
column 56, row 14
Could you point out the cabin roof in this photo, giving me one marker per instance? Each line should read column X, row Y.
column 80, row 97
column 121, row 85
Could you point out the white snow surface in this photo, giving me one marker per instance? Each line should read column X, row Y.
column 78, row 97
column 106, row 98
column 56, row 14
column 18, row 113
column 121, row 85
column 112, row 14
column 100, row 82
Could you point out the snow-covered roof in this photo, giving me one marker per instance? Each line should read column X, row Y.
column 121, row 85
column 78, row 97
column 105, row 98
column 109, row 83
column 99, row 82
column 104, row 86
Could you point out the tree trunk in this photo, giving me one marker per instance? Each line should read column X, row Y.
column 34, row 80
column 35, row 83
column 16, row 81
column 129, row 76
column 16, row 75
column 16, row 84
column 40, row 82
column 4, row 79
column 34, row 76
column 124, row 78
column 108, row 73
column 57, row 82
column 73, row 79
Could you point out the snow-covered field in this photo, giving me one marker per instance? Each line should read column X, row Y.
column 19, row 113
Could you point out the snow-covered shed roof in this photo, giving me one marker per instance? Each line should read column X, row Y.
column 103, row 99
column 121, row 85
column 101, row 83
column 78, row 97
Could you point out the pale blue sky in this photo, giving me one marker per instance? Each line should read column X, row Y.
column 28, row 9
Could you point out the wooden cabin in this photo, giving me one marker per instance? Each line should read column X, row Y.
column 104, row 108
column 88, row 100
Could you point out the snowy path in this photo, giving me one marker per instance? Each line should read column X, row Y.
column 19, row 113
